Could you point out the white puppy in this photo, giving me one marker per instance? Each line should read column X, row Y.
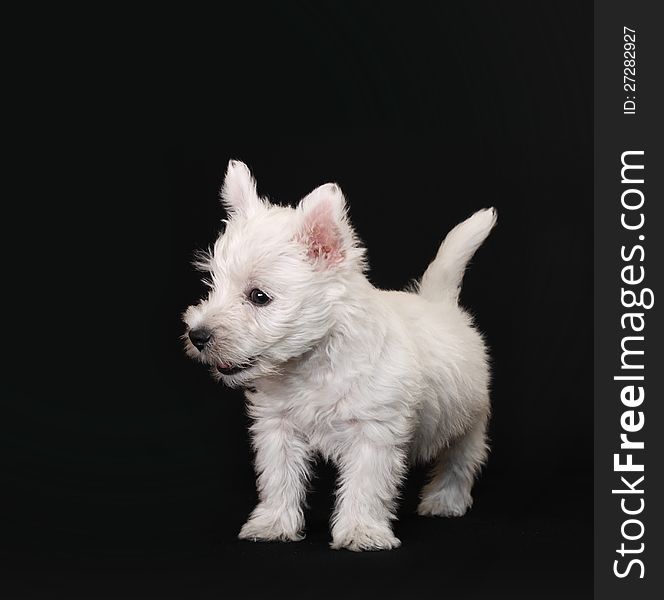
column 369, row 379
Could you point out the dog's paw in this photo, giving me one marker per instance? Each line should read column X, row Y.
column 365, row 537
column 445, row 503
column 267, row 532
column 266, row 526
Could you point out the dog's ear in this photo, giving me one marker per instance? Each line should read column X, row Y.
column 238, row 193
column 324, row 228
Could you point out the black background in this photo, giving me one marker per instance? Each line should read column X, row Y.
column 127, row 470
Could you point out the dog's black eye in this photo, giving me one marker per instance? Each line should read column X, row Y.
column 259, row 297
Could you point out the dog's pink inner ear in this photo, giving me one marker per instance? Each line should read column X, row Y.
column 322, row 236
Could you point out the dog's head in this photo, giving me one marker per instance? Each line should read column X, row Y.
column 276, row 275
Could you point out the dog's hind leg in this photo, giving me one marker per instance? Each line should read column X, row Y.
column 448, row 492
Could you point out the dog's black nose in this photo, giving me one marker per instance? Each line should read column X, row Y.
column 199, row 337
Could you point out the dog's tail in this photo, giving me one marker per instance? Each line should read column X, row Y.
column 442, row 279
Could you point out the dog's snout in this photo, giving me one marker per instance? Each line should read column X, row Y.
column 199, row 337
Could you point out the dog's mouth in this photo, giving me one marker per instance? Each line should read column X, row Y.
column 227, row 368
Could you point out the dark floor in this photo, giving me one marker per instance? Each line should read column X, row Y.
column 521, row 540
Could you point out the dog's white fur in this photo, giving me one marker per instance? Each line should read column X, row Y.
column 367, row 378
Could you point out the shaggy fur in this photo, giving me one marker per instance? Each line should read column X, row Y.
column 369, row 379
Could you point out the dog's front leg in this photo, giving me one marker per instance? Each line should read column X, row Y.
column 370, row 473
column 282, row 465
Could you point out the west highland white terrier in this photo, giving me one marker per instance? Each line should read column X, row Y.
column 370, row 379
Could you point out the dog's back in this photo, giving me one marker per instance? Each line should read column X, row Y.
column 452, row 357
